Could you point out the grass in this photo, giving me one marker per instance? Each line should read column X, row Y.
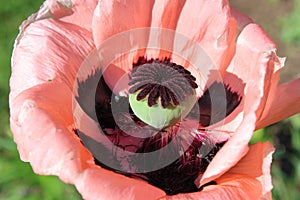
column 291, row 25
column 17, row 180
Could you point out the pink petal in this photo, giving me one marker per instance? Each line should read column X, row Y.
column 46, row 60
column 286, row 103
column 257, row 164
column 257, row 52
column 215, row 33
column 77, row 12
column 229, row 187
column 97, row 183
column 253, row 53
column 48, row 50
column 262, row 55
column 165, row 13
column 41, row 120
column 249, row 179
column 113, row 17
column 250, row 64
column 241, row 19
column 230, row 154
column 254, row 64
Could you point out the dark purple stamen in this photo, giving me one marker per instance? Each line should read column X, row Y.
column 161, row 78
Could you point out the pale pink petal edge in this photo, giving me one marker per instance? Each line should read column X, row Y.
column 286, row 102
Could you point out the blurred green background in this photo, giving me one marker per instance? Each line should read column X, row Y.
column 280, row 18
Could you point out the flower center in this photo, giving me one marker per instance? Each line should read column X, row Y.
column 192, row 147
column 162, row 79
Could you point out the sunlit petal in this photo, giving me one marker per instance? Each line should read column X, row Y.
column 286, row 102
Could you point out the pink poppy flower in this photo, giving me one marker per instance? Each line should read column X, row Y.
column 64, row 49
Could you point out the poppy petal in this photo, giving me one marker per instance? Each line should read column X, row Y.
column 257, row 164
column 286, row 103
column 98, row 183
column 259, row 54
column 46, row 51
column 254, row 51
column 255, row 54
column 241, row 19
column 41, row 104
column 77, row 12
column 230, row 154
column 166, row 13
column 235, row 186
column 41, row 119
column 249, row 64
column 229, row 187
column 215, row 33
column 126, row 15
column 249, row 179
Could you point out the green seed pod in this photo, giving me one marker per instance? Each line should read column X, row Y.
column 157, row 116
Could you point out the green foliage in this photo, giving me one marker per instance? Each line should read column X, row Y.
column 260, row 136
column 12, row 14
column 290, row 24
